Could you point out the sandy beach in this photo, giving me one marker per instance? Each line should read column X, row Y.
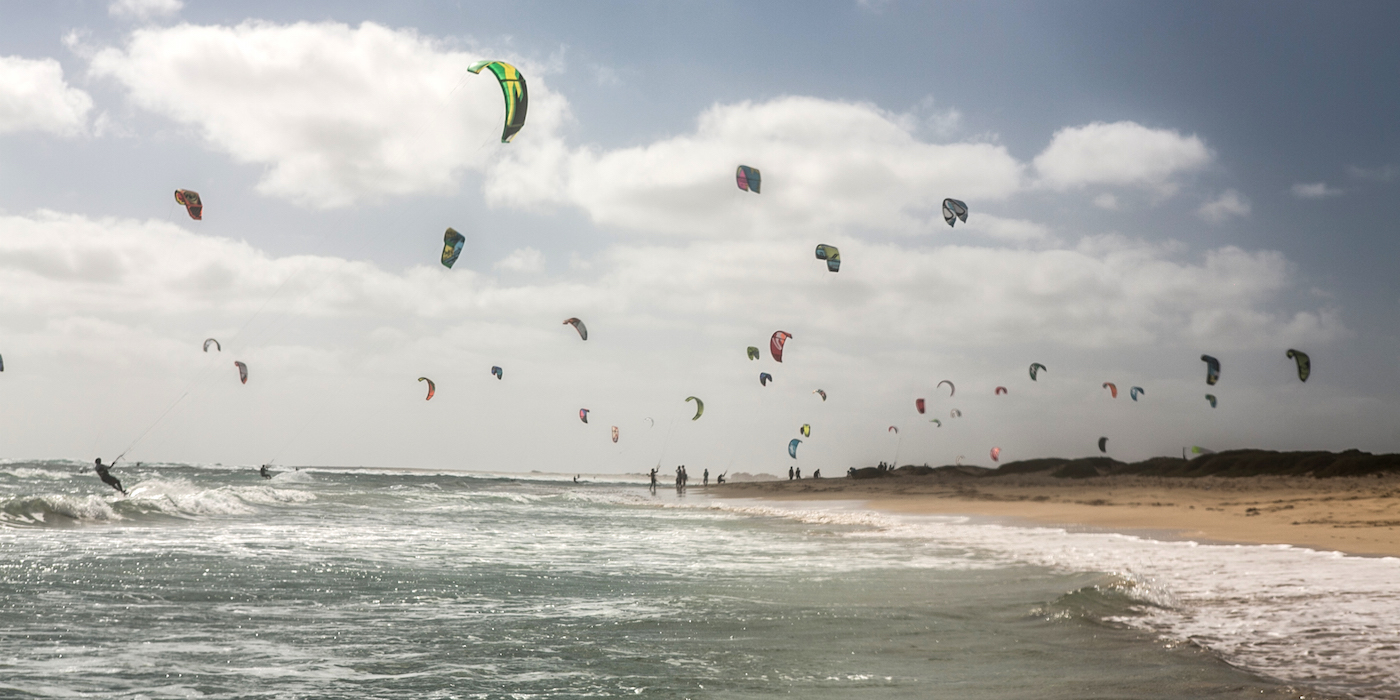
column 1356, row 515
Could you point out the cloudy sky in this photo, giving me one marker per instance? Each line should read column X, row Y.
column 1147, row 182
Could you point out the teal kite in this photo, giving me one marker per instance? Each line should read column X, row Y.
column 1034, row 367
column 451, row 247
column 831, row 255
column 792, row 448
column 748, row 179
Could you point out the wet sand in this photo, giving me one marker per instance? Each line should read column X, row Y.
column 1356, row 515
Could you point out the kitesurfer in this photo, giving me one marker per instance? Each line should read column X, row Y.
column 789, row 473
column 106, row 476
column 653, row 478
column 265, row 472
column 706, row 481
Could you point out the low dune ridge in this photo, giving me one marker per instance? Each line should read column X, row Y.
column 1347, row 501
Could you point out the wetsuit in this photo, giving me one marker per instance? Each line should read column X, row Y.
column 107, row 477
column 265, row 473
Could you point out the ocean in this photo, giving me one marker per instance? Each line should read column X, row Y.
column 210, row 582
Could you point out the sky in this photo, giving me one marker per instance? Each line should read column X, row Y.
column 1147, row 183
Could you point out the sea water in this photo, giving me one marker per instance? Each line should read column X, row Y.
column 209, row 582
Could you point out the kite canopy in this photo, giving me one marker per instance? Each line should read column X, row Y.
column 497, row 371
column 432, row 388
column 189, row 199
column 1212, row 369
column 792, row 447
column 819, row 391
column 955, row 413
column 806, row 430
column 893, row 430
column 1136, row 392
column 1112, row 388
column 996, row 454
column 650, row 421
column 614, row 433
column 764, row 378
column 753, row 353
column 919, row 406
column 699, row 406
column 999, row 391
column 215, row 343
column 578, row 326
column 748, row 179
column 1198, row 450
column 1036, row 366
column 954, row 209
column 242, row 371
column 831, row 255
column 451, row 247
column 935, row 420
column 1211, row 399
column 517, row 96
column 583, row 414
column 775, row 345
column 1304, row 363
column 951, row 389
column 1103, row 444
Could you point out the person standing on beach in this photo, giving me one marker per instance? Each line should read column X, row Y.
column 706, row 482
column 789, row 473
column 799, row 473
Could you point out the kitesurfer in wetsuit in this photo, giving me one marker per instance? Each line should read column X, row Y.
column 107, row 477
column 263, row 470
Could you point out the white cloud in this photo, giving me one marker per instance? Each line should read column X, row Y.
column 1314, row 190
column 144, row 9
column 34, row 97
column 1010, row 230
column 337, row 114
column 827, row 166
column 522, row 260
column 1229, row 203
column 1106, row 201
column 1122, row 153
column 1384, row 173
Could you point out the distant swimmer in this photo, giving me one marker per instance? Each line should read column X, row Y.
column 265, row 472
column 106, row 476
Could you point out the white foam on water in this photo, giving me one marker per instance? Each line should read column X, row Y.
column 1324, row 619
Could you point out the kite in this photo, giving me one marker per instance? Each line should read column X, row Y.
column 935, row 420
column 578, row 326
column 792, row 448
column 764, row 378
column 819, row 391
column 649, row 420
column 1036, row 366
column 954, row 209
column 831, row 255
column 432, row 388
column 497, row 371
column 189, row 199
column 1304, row 363
column 699, row 406
column 955, row 413
column 451, row 247
column 517, row 96
column 951, row 389
column 999, row 391
column 1211, row 399
column 806, row 430
column 1198, row 450
column 919, row 406
column 1137, row 391
column 1103, row 444
column 894, row 429
column 1212, row 369
column 1113, row 388
column 748, row 178
column 614, row 433
column 753, row 353
column 218, row 347
column 242, row 371
column 996, row 454
column 583, row 414
column 776, row 343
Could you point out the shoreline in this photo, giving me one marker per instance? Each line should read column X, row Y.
column 1353, row 515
